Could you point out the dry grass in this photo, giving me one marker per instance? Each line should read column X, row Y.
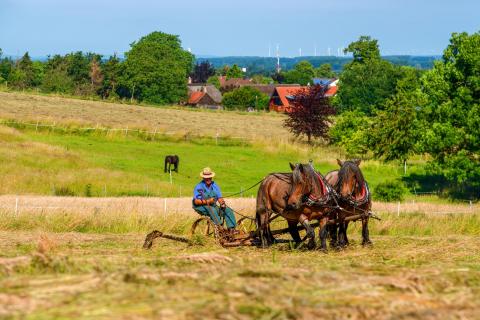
column 161, row 206
column 110, row 277
column 421, row 266
column 75, row 112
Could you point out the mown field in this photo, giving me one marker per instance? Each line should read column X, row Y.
column 421, row 266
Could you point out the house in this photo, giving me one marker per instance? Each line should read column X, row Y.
column 268, row 89
column 330, row 82
column 282, row 95
column 204, row 95
column 279, row 101
column 227, row 85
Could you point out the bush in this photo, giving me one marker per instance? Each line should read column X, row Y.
column 64, row 192
column 389, row 191
column 245, row 97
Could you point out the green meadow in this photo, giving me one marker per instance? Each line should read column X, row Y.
column 98, row 164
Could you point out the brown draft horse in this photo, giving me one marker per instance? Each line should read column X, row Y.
column 284, row 194
column 353, row 196
column 171, row 160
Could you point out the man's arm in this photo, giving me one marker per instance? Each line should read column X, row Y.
column 202, row 202
column 219, row 196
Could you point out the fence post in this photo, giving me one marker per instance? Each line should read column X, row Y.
column 36, row 127
column 216, row 138
column 471, row 206
column 154, row 133
column 165, row 207
column 105, row 190
column 398, row 209
column 171, row 181
column 16, row 205
column 241, row 192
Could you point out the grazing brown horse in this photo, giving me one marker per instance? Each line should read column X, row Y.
column 171, row 160
column 354, row 198
column 284, row 194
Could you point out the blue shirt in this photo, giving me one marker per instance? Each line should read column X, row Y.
column 201, row 190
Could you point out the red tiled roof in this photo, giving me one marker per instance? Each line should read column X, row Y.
column 331, row 91
column 195, row 97
column 283, row 92
column 233, row 82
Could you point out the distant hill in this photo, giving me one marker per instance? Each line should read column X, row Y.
column 267, row 65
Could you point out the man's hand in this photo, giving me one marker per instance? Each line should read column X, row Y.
column 211, row 201
column 222, row 203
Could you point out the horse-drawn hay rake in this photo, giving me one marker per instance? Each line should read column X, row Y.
column 204, row 227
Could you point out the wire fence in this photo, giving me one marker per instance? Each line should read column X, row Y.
column 150, row 134
column 124, row 205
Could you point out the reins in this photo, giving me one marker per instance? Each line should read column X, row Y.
column 235, row 194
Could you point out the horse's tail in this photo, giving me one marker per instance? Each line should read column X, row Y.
column 177, row 162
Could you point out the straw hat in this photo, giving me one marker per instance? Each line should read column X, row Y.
column 207, row 173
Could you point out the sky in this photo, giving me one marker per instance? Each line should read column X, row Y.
column 234, row 28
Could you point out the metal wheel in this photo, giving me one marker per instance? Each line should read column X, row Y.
column 203, row 226
column 246, row 225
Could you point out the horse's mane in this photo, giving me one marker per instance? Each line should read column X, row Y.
column 349, row 167
column 297, row 175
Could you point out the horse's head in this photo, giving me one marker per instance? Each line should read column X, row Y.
column 350, row 179
column 304, row 182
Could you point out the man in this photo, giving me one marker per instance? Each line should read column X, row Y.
column 205, row 196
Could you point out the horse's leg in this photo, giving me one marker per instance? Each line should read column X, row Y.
column 262, row 226
column 293, row 230
column 332, row 229
column 365, row 233
column 323, row 233
column 345, row 235
column 342, row 234
column 310, row 232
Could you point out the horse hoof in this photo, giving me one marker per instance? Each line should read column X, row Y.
column 367, row 243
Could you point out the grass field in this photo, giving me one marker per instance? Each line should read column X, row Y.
column 172, row 120
column 420, row 267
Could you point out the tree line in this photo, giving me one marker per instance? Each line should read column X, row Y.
column 154, row 70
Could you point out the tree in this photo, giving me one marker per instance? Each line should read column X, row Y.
column 234, row 72
column 202, row 71
column 214, row 81
column 6, row 66
column 25, row 64
column 303, row 73
column 310, row 113
column 350, row 131
column 395, row 131
column 56, row 78
column 325, row 71
column 156, row 69
column 451, row 115
column 368, row 81
column 245, row 97
column 38, row 73
column 112, row 69
column 96, row 75
column 260, row 79
column 365, row 49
